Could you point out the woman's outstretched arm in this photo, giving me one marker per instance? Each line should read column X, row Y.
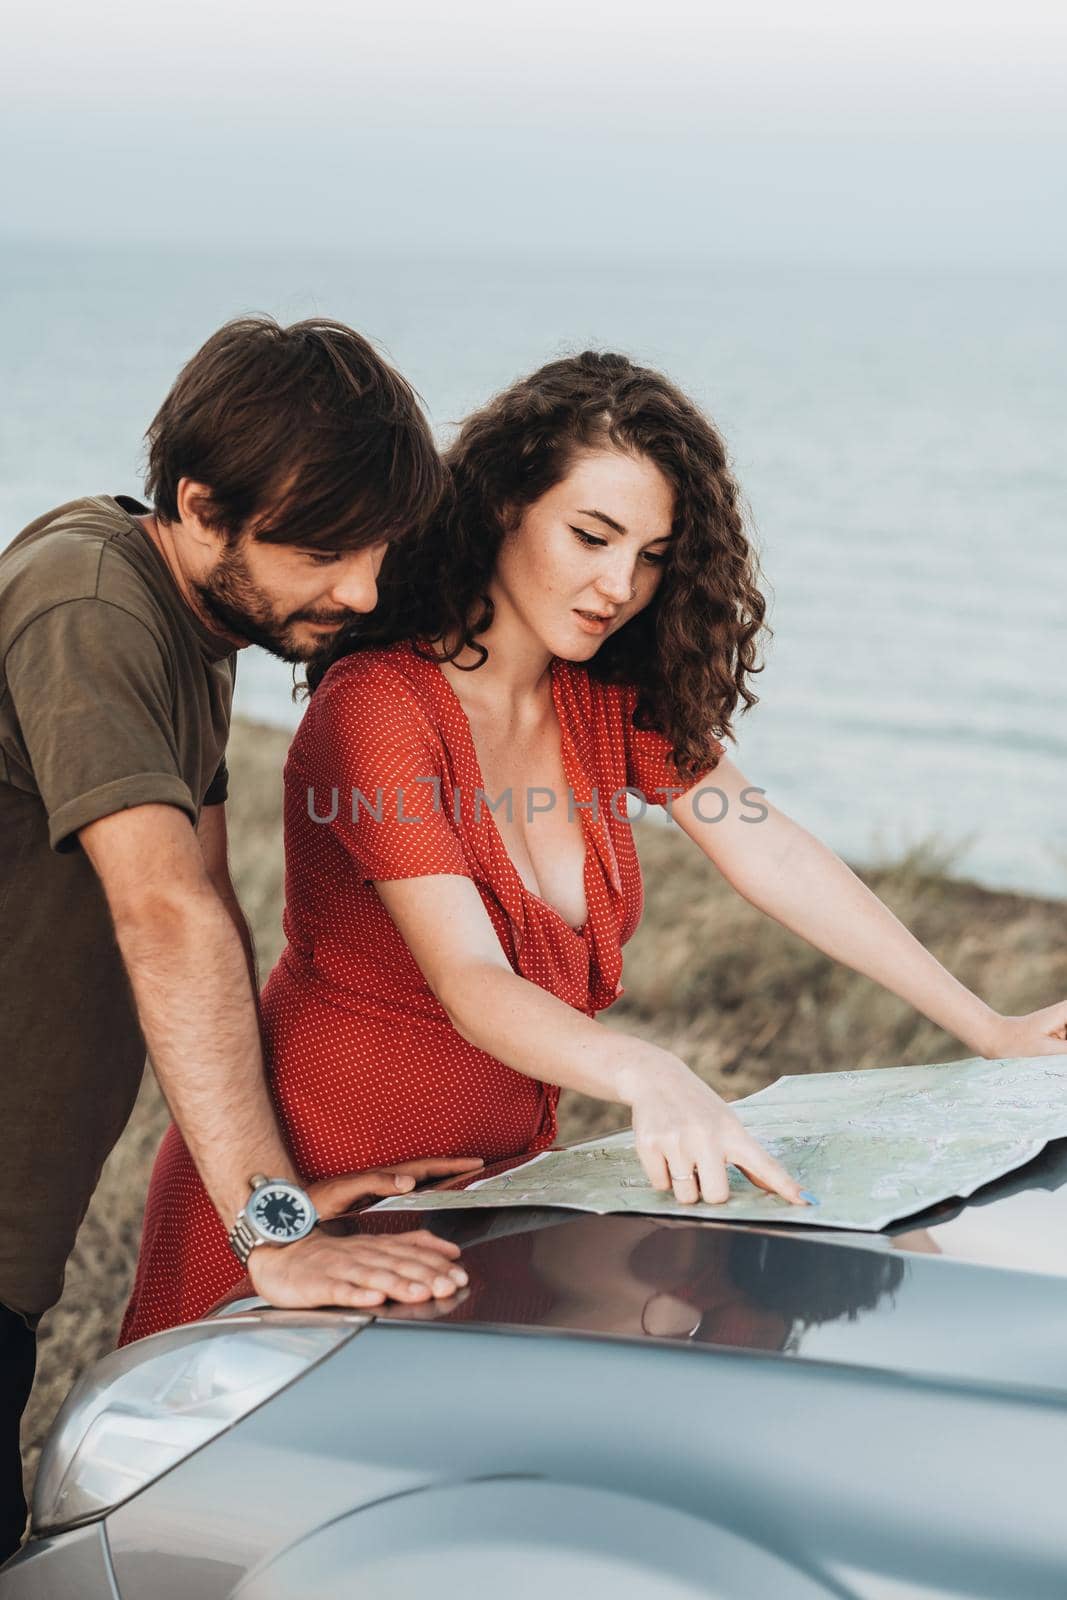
column 781, row 869
column 684, row 1133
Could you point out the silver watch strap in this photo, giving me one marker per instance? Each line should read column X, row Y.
column 242, row 1240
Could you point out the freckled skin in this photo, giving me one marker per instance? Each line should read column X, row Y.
column 545, row 571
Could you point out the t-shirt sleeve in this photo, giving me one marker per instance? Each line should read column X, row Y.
column 219, row 788
column 90, row 688
column 372, row 756
column 650, row 768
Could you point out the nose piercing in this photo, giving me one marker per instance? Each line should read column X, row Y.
column 633, row 592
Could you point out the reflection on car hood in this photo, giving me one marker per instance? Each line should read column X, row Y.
column 969, row 1290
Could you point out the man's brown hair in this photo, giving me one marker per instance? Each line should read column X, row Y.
column 304, row 433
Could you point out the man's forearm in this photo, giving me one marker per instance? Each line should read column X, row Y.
column 189, row 976
column 232, row 907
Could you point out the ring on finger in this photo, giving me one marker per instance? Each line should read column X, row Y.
column 683, row 1177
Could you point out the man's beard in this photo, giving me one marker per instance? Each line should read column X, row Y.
column 232, row 600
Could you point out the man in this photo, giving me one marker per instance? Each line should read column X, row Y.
column 281, row 464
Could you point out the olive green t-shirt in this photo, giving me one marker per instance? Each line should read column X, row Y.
column 112, row 694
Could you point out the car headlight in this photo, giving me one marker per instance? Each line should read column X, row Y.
column 141, row 1410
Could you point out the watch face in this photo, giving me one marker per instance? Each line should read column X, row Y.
column 280, row 1212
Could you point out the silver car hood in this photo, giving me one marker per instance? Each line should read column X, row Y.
column 971, row 1290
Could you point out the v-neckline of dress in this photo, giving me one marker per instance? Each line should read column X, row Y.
column 578, row 933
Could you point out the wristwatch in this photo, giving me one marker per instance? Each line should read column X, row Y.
column 277, row 1212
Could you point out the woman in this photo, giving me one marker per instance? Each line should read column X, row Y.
column 461, row 876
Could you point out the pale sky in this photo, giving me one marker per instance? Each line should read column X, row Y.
column 775, row 128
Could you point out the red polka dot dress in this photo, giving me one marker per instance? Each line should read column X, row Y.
column 382, row 782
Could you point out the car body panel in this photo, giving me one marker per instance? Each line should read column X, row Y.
column 823, row 1467
column 805, row 1299
column 870, row 1414
column 71, row 1566
column 523, row 1538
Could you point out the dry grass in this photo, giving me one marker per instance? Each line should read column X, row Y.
column 741, row 1000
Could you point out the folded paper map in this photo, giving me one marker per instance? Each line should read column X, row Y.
column 874, row 1146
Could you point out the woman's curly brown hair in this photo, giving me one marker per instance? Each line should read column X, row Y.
column 692, row 650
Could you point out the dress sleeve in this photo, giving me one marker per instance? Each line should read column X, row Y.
column 91, row 690
column 650, row 768
column 374, row 765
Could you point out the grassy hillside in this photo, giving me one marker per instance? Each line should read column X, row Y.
column 741, row 1000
